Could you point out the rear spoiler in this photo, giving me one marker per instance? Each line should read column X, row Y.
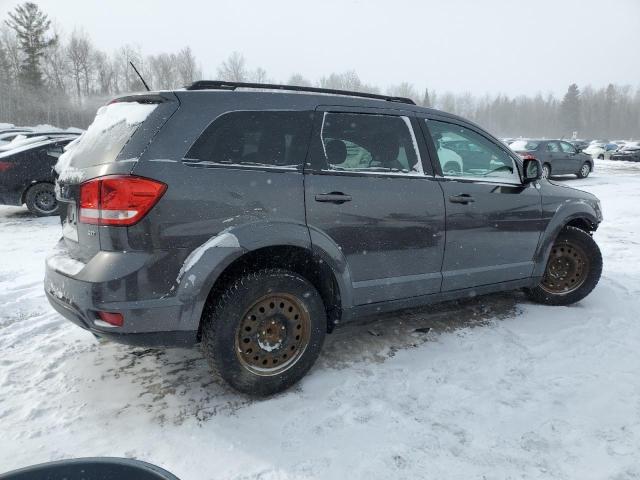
column 142, row 98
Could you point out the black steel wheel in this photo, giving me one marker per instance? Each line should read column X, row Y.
column 265, row 331
column 573, row 269
column 273, row 333
column 41, row 200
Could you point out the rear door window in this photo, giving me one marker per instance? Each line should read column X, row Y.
column 553, row 147
column 255, row 138
column 368, row 143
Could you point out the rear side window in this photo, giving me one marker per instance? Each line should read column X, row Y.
column 110, row 131
column 262, row 138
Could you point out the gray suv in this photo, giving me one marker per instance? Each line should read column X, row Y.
column 253, row 218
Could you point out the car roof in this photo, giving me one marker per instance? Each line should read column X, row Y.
column 36, row 145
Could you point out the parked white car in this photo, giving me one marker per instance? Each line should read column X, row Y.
column 601, row 151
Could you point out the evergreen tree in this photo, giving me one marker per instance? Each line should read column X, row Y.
column 31, row 26
column 426, row 101
column 570, row 110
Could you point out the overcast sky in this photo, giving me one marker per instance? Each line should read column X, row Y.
column 513, row 47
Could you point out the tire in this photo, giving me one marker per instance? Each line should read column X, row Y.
column 584, row 171
column 546, row 170
column 41, row 200
column 260, row 354
column 556, row 289
column 601, row 157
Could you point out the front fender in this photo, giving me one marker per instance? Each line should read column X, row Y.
column 560, row 214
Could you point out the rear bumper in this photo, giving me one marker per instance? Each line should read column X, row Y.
column 147, row 322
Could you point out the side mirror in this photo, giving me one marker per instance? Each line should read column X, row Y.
column 532, row 170
column 91, row 468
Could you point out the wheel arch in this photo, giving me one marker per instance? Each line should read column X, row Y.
column 575, row 215
column 298, row 259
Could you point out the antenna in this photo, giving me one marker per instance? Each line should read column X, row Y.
column 140, row 76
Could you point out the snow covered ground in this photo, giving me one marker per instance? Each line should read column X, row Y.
column 498, row 388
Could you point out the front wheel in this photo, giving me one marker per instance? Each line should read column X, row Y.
column 41, row 200
column 573, row 269
column 265, row 332
column 584, row 171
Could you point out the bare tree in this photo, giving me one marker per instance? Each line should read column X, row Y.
column 233, row 69
column 186, row 66
column 79, row 53
column 164, row 71
column 259, row 75
column 404, row 89
column 298, row 79
column 348, row 80
column 104, row 72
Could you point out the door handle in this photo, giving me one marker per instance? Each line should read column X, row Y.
column 333, row 197
column 463, row 198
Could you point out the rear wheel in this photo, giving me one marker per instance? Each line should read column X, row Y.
column 265, row 332
column 601, row 157
column 546, row 170
column 584, row 171
column 41, row 200
column 573, row 269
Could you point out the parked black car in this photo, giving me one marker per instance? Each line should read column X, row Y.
column 27, row 175
column 629, row 153
column 557, row 157
column 256, row 221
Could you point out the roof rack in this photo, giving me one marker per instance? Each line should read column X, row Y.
column 223, row 85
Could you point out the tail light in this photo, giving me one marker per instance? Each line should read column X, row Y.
column 527, row 156
column 4, row 166
column 120, row 200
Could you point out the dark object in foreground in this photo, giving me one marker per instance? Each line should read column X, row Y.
column 99, row 468
column 255, row 221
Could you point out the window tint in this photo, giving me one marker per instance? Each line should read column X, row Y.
column 553, row 147
column 368, row 143
column 465, row 153
column 273, row 139
column 567, row 148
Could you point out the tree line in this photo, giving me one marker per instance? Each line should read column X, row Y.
column 49, row 77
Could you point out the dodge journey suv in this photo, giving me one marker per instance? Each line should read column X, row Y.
column 253, row 218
